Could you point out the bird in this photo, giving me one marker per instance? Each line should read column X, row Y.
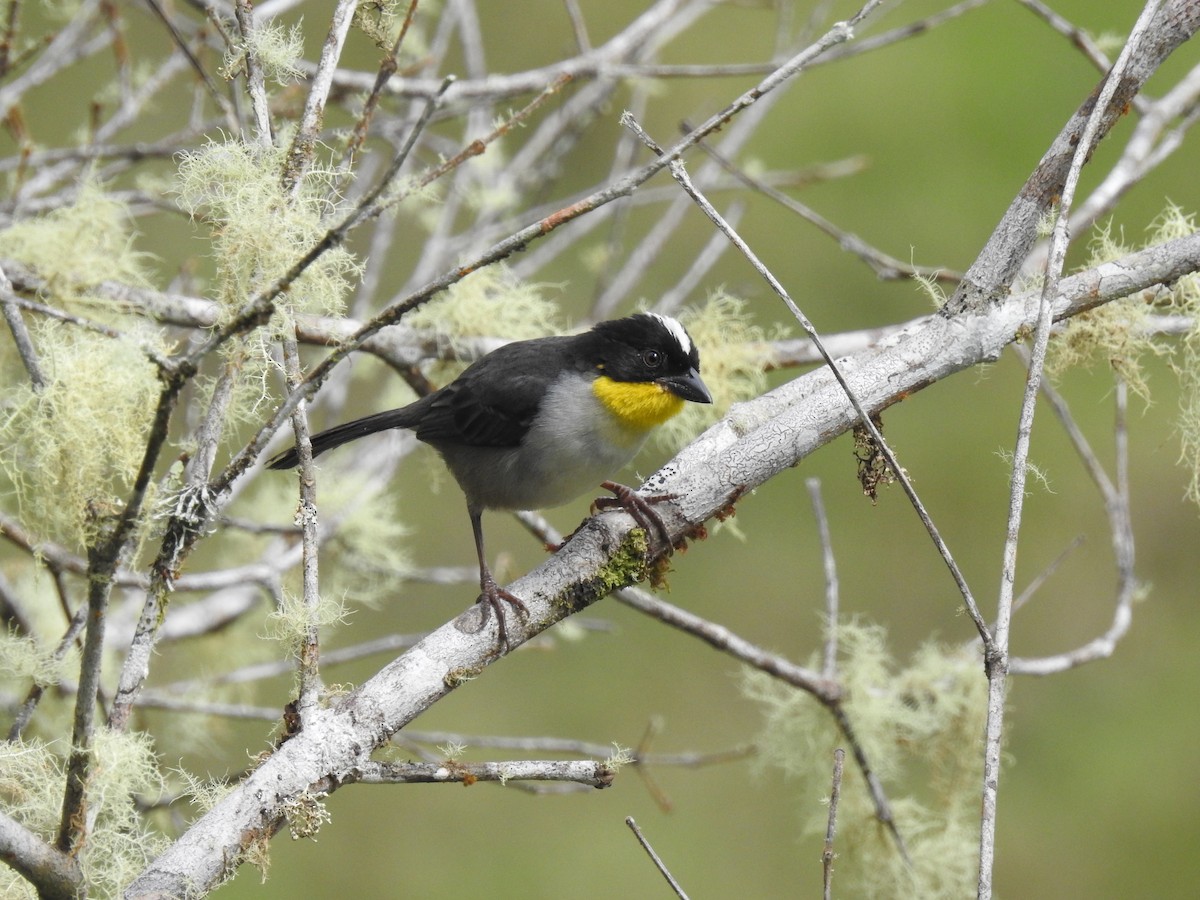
column 536, row 423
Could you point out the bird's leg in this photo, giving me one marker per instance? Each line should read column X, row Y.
column 490, row 593
column 640, row 508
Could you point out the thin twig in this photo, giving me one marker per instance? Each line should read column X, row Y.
column 1077, row 36
column 996, row 659
column 387, row 68
column 309, row 650
column 528, row 744
column 72, row 828
column 197, row 471
column 992, row 273
column 828, row 693
column 578, row 26
column 256, row 84
column 726, row 641
column 219, row 98
column 884, row 266
column 55, row 875
column 29, row 706
column 1117, row 507
column 654, row 728
column 20, row 334
column 184, row 529
column 829, row 669
column 658, row 863
column 675, row 296
column 599, row 63
column 1043, row 576
column 586, row 772
column 827, row 854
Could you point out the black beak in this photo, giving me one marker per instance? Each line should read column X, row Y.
column 688, row 386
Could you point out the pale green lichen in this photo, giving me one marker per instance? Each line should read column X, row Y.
column 1185, row 301
column 25, row 659
column 70, row 452
column 259, row 230
column 619, row 758
column 1119, row 333
column 920, row 727
column 293, row 619
column 1115, row 332
column 119, row 844
column 277, row 48
column 491, row 302
column 452, row 751
column 931, row 288
column 77, row 246
column 370, row 538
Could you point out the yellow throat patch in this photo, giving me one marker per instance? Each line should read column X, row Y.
column 636, row 404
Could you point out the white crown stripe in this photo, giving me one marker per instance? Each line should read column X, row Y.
column 676, row 331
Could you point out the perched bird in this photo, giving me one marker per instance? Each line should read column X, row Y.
column 536, row 423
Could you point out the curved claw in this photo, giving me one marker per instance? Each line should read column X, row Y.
column 490, row 597
column 640, row 508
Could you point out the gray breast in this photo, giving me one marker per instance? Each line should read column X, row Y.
column 572, row 445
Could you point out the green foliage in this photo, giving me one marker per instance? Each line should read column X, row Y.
column 920, row 726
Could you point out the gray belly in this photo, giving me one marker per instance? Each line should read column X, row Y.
column 572, row 446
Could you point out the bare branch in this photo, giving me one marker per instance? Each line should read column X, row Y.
column 829, row 669
column 54, row 874
column 309, row 650
column 20, row 333
column 585, row 772
column 256, row 85
column 835, row 793
column 654, row 858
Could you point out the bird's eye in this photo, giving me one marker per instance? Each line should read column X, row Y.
column 652, row 358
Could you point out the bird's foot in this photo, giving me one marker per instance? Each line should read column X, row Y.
column 491, row 595
column 641, row 509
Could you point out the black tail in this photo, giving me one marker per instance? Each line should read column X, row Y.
column 405, row 417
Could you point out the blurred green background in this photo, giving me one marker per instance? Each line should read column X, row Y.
column 1099, row 797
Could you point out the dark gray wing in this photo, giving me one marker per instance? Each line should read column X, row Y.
column 493, row 402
